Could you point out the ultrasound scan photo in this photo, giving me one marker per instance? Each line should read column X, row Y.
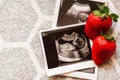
column 72, row 47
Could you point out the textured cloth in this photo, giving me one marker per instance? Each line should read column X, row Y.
column 21, row 55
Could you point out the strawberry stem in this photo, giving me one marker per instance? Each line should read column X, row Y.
column 103, row 12
column 107, row 37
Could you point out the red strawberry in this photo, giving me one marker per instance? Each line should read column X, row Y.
column 99, row 21
column 91, row 33
column 102, row 49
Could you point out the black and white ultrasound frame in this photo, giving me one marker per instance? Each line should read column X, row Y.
column 92, row 5
column 51, row 52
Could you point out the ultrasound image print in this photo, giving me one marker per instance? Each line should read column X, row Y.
column 73, row 12
column 72, row 47
column 65, row 46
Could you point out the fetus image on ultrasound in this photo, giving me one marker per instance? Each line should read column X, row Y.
column 71, row 46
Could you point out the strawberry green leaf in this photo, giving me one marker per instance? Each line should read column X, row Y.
column 103, row 15
column 102, row 12
column 100, row 7
column 108, row 37
column 114, row 17
column 105, row 10
column 97, row 13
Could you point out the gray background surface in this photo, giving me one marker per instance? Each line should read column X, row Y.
column 21, row 55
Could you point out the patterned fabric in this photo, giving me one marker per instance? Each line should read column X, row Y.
column 21, row 55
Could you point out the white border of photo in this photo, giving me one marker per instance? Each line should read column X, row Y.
column 82, row 75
